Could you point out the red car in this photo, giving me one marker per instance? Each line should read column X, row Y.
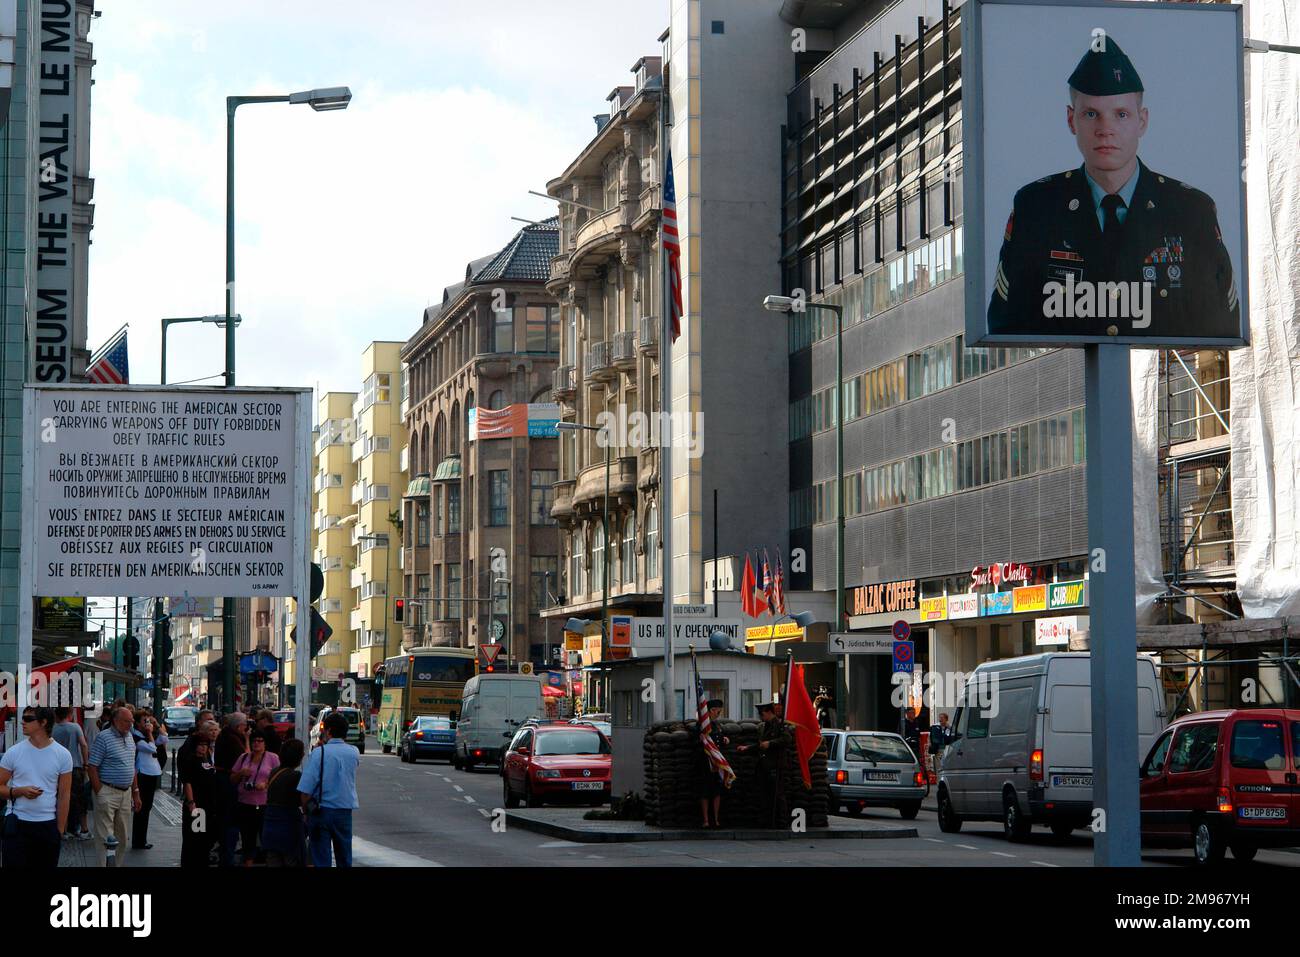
column 557, row 762
column 1224, row 779
column 284, row 724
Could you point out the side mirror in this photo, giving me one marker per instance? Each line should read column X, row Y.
column 525, row 751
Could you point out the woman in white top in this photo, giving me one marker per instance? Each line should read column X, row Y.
column 148, row 740
column 36, row 778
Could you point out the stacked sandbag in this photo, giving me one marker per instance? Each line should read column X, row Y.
column 673, row 756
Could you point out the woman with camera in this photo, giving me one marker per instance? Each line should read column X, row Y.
column 150, row 745
column 251, row 776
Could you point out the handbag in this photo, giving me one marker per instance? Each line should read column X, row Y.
column 314, row 801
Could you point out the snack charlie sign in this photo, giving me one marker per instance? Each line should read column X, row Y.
column 167, row 491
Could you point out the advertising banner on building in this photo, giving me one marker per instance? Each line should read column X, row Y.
column 963, row 606
column 934, row 609
column 996, row 603
column 1057, row 631
column 170, row 491
column 1067, row 595
column 1098, row 208
column 535, row 420
column 883, row 597
column 1033, row 598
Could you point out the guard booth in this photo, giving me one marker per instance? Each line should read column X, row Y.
column 741, row 680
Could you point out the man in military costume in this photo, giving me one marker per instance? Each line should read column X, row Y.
column 775, row 740
column 1074, row 237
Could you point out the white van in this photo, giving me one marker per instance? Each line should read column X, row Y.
column 1028, row 760
column 492, row 708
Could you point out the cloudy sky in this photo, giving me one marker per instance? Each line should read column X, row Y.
column 348, row 223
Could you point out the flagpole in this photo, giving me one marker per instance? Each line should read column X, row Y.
column 665, row 418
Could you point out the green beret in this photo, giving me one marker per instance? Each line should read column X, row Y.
column 1106, row 73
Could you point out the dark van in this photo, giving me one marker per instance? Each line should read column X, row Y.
column 1224, row 779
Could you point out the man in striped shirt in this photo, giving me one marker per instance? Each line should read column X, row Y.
column 111, row 767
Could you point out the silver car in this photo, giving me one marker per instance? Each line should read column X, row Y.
column 873, row 769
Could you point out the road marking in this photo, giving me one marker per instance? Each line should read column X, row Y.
column 935, row 840
column 969, row 847
column 444, row 777
column 485, row 812
column 470, row 799
column 1044, row 864
column 436, row 774
column 1002, row 854
column 368, row 854
column 560, row 844
column 458, row 787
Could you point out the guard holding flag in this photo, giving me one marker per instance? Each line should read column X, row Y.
column 774, row 743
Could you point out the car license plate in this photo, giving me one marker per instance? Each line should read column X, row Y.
column 588, row 785
column 880, row 775
column 1263, row 813
column 1071, row 780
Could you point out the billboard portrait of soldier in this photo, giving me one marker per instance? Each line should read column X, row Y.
column 1138, row 238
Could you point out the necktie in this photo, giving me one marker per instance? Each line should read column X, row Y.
column 1110, row 207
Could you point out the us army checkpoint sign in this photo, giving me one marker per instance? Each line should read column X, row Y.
column 167, row 491
column 1099, row 205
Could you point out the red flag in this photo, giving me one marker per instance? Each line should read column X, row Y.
column 799, row 711
column 747, row 583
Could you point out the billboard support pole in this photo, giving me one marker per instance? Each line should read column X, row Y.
column 302, row 553
column 1112, row 595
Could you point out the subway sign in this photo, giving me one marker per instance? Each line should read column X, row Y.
column 1067, row 595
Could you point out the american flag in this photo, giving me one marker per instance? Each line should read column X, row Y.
column 672, row 245
column 108, row 366
column 717, row 760
column 767, row 584
column 778, row 587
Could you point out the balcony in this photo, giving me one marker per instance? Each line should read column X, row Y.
column 562, row 508
column 354, row 620
column 623, row 351
column 598, row 232
column 405, row 408
column 590, row 489
column 563, row 383
column 559, row 269
column 404, row 459
column 358, row 489
column 357, row 578
column 600, row 365
column 648, row 336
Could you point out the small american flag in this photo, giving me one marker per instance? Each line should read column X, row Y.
column 717, row 760
column 778, row 587
column 672, row 245
column 109, row 365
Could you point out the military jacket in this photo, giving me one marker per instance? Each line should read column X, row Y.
column 1168, row 254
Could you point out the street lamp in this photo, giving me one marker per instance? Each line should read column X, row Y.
column 788, row 304
column 329, row 98
column 604, row 590
column 215, row 320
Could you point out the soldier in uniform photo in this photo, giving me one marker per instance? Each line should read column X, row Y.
column 1112, row 221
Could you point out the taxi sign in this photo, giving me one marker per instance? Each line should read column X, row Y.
column 903, row 657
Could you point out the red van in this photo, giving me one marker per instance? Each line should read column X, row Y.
column 1224, row 779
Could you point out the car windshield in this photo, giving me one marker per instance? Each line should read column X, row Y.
column 432, row 724
column 572, row 742
column 869, row 747
column 282, row 716
column 173, row 713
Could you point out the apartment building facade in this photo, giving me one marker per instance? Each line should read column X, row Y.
column 376, row 523
column 607, row 277
column 334, row 474
column 480, row 547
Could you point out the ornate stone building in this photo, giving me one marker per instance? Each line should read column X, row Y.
column 480, row 548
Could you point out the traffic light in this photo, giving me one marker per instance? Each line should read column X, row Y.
column 320, row 628
column 399, row 609
column 131, row 653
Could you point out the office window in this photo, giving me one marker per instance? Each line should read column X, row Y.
column 542, row 329
column 543, row 579
column 422, row 524
column 629, row 551
column 453, row 507
column 497, row 400
column 439, row 609
column 577, row 567
column 541, row 496
column 437, row 511
column 652, row 543
column 498, row 497
column 453, row 590
column 503, row 331
column 598, row 560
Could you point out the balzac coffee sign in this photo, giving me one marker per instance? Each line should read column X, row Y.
column 883, row 597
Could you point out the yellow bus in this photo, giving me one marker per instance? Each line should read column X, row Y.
column 425, row 681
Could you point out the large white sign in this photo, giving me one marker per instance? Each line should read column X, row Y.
column 168, row 491
column 1057, row 631
column 648, row 633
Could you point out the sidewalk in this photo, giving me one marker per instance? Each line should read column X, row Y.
column 164, row 835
